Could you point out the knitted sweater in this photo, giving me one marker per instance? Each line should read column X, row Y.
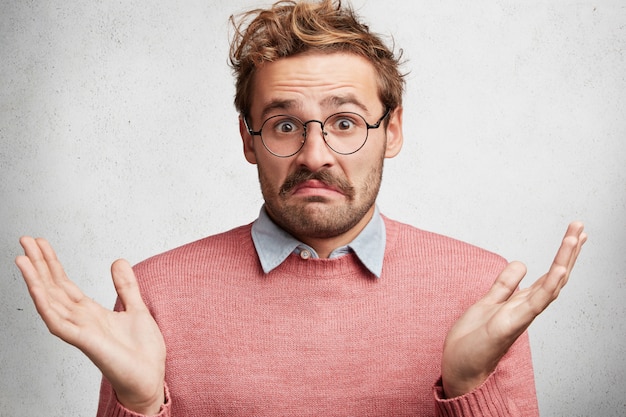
column 321, row 337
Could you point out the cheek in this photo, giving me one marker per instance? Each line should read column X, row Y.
column 271, row 175
column 361, row 171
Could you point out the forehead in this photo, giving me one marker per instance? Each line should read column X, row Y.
column 315, row 82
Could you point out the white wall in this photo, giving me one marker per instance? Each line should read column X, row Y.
column 118, row 139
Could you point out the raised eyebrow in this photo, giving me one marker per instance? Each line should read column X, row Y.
column 273, row 105
column 337, row 101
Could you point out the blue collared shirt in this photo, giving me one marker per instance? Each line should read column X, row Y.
column 273, row 244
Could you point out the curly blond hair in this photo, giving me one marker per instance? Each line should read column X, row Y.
column 291, row 27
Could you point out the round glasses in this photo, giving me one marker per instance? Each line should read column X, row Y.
column 345, row 133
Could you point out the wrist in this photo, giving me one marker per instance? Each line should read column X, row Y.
column 456, row 387
column 148, row 407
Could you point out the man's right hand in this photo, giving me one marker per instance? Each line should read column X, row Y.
column 127, row 346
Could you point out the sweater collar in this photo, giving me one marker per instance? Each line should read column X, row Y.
column 273, row 244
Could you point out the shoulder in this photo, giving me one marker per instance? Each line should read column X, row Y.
column 439, row 257
column 222, row 248
column 404, row 237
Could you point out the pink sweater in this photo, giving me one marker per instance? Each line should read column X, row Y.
column 321, row 337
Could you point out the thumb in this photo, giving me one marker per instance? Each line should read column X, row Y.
column 126, row 285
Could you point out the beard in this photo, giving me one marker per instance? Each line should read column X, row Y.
column 316, row 217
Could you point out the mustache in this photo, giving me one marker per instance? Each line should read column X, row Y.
column 323, row 176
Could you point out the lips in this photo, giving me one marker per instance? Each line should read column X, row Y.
column 315, row 185
column 319, row 181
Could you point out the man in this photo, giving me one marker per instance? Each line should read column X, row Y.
column 322, row 306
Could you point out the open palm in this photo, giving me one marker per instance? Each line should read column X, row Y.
column 127, row 346
column 486, row 331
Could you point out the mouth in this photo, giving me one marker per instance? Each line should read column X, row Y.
column 322, row 183
column 315, row 188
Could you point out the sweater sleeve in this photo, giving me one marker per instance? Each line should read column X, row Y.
column 509, row 391
column 109, row 406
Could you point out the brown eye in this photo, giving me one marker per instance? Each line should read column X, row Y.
column 344, row 124
column 285, row 127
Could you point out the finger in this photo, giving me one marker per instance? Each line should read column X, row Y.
column 547, row 288
column 506, row 283
column 50, row 258
column 32, row 265
column 575, row 228
column 581, row 241
column 565, row 258
column 31, row 277
column 581, row 236
column 46, row 268
column 575, row 237
column 49, row 303
column 52, row 292
column 126, row 285
column 34, row 270
column 57, row 272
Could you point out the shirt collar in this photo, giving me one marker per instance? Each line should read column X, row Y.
column 273, row 244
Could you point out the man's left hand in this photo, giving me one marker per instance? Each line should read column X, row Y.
column 485, row 332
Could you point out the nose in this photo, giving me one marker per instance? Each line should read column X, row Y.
column 315, row 154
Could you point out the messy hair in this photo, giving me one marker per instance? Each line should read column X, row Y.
column 290, row 27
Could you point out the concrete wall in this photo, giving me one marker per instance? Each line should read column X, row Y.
column 118, row 139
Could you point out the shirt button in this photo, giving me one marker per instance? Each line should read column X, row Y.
column 305, row 254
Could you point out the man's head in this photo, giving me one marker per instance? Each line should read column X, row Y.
column 320, row 105
column 290, row 28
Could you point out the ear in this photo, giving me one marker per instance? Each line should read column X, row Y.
column 394, row 133
column 248, row 141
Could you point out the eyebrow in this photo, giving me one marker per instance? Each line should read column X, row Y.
column 279, row 105
column 337, row 101
column 331, row 101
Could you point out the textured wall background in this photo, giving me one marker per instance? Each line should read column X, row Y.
column 118, row 139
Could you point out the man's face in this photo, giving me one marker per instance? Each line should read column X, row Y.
column 317, row 193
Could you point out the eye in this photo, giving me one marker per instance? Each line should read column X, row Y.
column 285, row 126
column 343, row 123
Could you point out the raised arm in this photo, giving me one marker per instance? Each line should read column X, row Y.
column 126, row 346
column 480, row 338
